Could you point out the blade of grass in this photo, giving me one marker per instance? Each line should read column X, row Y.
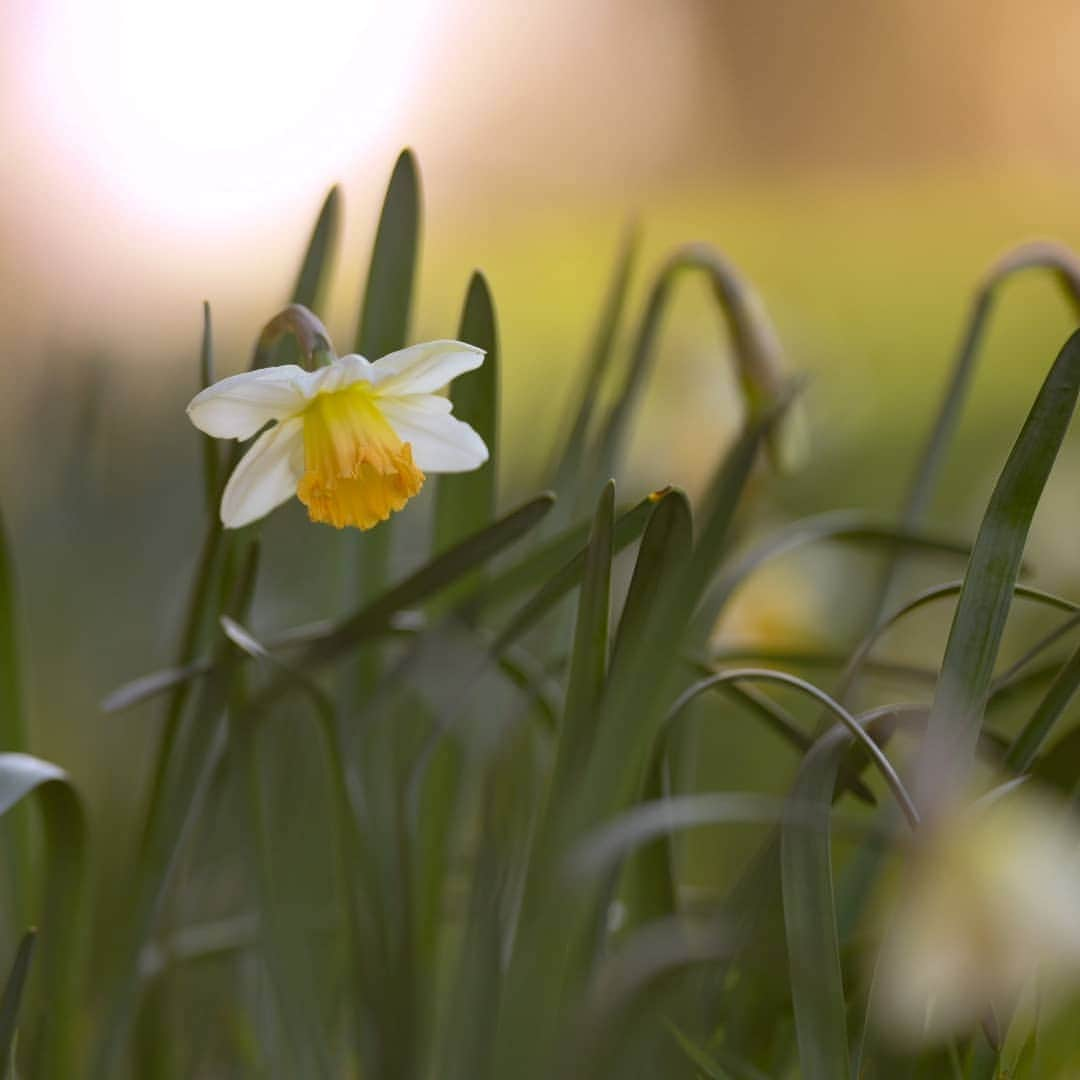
column 1038, row 255
column 843, row 526
column 383, row 328
column 1049, row 710
column 936, row 592
column 649, row 888
column 388, row 294
column 607, row 845
column 638, row 684
column 443, row 570
column 149, row 686
column 877, row 755
column 567, row 471
column 781, row 721
column 58, row 979
column 16, row 830
column 700, row 1059
column 813, row 658
column 1059, row 766
column 355, row 864
column 1014, row 670
column 569, row 576
column 817, row 985
column 589, row 653
column 757, row 352
column 9, row 1006
column 188, row 769
column 967, row 669
column 325, row 643
column 466, row 1042
column 625, row 992
column 665, row 547
column 628, row 527
column 314, row 273
column 287, row 960
column 465, row 502
column 203, row 607
column 541, row 982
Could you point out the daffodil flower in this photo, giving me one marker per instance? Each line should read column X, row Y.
column 988, row 901
column 352, row 440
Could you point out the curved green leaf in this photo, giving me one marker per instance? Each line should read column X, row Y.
column 1029, row 256
column 840, row 526
column 757, row 352
column 443, row 570
column 9, row 1006
column 61, row 921
column 968, row 666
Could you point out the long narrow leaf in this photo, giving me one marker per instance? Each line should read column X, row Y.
column 840, row 526
column 567, row 472
column 182, row 790
column 60, row 972
column 1049, row 710
column 465, row 502
column 983, row 607
column 757, row 352
column 383, row 328
column 388, row 294
column 372, row 620
column 13, row 727
column 315, row 268
column 1038, row 255
column 628, row 527
column 539, row 979
column 13, row 993
column 589, row 655
column 649, row 887
column 817, row 986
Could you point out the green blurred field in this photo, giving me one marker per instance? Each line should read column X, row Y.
column 869, row 286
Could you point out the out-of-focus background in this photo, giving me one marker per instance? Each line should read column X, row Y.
column 861, row 163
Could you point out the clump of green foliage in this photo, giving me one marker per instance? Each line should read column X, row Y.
column 446, row 829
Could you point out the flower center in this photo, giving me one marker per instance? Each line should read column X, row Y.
column 356, row 469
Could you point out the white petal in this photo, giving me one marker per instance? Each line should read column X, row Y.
column 440, row 444
column 236, row 407
column 266, row 476
column 343, row 372
column 422, row 369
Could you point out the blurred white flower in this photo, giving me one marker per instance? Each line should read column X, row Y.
column 352, row 440
column 989, row 898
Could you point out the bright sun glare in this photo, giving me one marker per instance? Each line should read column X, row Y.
column 199, row 112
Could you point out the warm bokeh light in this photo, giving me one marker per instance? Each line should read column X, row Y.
column 200, row 113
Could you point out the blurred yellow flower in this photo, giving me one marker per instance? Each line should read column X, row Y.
column 352, row 440
column 779, row 607
column 989, row 898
